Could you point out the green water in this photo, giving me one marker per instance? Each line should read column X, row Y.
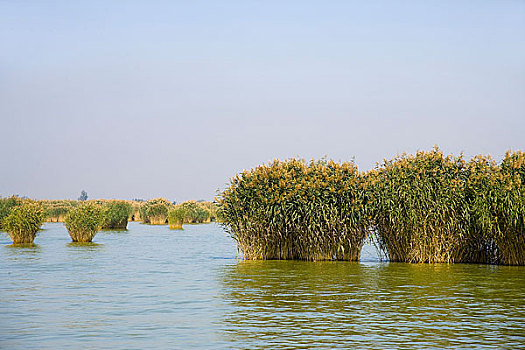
column 150, row 287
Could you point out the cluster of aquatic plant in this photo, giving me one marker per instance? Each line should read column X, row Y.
column 497, row 208
column 116, row 214
column 155, row 211
column 195, row 212
column 6, row 204
column 83, row 222
column 422, row 208
column 176, row 217
column 23, row 222
column 56, row 210
column 418, row 206
column 297, row 210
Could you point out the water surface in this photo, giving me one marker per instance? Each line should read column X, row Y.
column 150, row 287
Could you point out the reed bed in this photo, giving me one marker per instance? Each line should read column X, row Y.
column 155, row 211
column 195, row 212
column 297, row 210
column 498, row 207
column 83, row 222
column 23, row 222
column 116, row 214
column 176, row 217
column 421, row 208
column 6, row 205
column 418, row 208
column 56, row 210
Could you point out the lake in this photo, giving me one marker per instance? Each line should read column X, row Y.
column 149, row 287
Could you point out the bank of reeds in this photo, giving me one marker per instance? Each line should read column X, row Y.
column 155, row 211
column 23, row 222
column 116, row 215
column 297, row 210
column 83, row 222
column 421, row 208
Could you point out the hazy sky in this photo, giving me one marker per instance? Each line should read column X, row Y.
column 140, row 99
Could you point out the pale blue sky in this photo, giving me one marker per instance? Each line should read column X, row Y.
column 139, row 99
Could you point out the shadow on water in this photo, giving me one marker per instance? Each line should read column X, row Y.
column 374, row 305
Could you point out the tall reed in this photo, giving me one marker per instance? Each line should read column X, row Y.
column 155, row 211
column 297, row 210
column 116, row 215
column 510, row 210
column 6, row 205
column 23, row 222
column 176, row 217
column 83, row 222
column 418, row 206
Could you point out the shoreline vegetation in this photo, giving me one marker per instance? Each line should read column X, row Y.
column 421, row 208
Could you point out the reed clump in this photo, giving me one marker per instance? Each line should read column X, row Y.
column 83, row 222
column 195, row 212
column 56, row 210
column 23, row 222
column 116, row 214
column 176, row 216
column 418, row 207
column 6, row 205
column 297, row 210
column 497, row 206
column 155, row 211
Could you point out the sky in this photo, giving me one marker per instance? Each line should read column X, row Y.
column 142, row 99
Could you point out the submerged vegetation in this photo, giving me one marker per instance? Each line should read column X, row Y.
column 422, row 208
column 83, row 222
column 23, row 222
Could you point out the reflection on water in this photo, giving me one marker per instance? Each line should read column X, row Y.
column 85, row 245
column 376, row 305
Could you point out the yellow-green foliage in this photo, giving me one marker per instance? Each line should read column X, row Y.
column 418, row 202
column 297, row 210
column 23, row 222
column 155, row 211
column 84, row 222
column 176, row 216
column 56, row 210
column 135, row 211
column 6, row 204
column 497, row 206
column 116, row 214
column 195, row 213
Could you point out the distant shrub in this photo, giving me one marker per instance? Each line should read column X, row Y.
column 84, row 222
column 6, row 204
column 116, row 214
column 176, row 217
column 155, row 211
column 56, row 210
column 23, row 222
column 194, row 213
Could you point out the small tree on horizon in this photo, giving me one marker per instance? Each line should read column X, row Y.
column 83, row 196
